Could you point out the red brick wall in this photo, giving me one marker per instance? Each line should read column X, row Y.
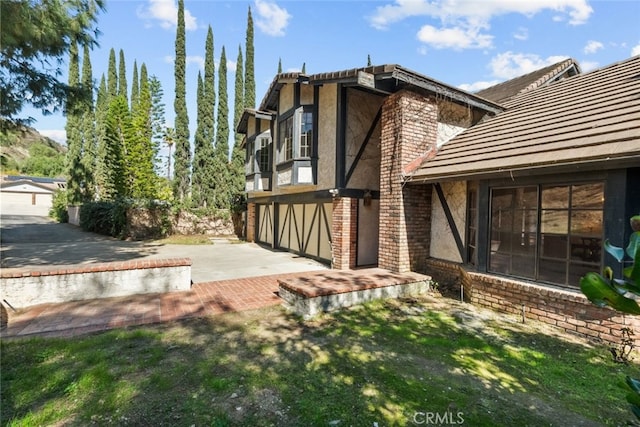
column 251, row 222
column 409, row 131
column 344, row 227
column 566, row 309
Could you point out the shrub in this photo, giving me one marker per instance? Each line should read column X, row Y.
column 58, row 210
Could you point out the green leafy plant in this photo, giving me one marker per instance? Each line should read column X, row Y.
column 58, row 209
column 605, row 290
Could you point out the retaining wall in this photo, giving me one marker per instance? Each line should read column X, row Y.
column 21, row 289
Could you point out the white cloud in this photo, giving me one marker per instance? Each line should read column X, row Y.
column 166, row 13
column 467, row 21
column 454, row 38
column 635, row 50
column 578, row 11
column 587, row 66
column 593, row 46
column 509, row 64
column 521, row 34
column 272, row 19
column 474, row 87
column 195, row 59
column 232, row 65
column 58, row 135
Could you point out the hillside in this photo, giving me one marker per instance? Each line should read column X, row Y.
column 24, row 150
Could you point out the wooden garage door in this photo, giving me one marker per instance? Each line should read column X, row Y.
column 305, row 228
column 264, row 216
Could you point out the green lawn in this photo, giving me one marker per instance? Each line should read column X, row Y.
column 394, row 363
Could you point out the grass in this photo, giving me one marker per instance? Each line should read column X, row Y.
column 393, row 363
column 178, row 239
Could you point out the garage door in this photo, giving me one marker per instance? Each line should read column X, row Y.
column 264, row 232
column 25, row 203
column 305, row 228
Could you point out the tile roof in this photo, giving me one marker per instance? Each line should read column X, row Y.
column 589, row 120
column 505, row 91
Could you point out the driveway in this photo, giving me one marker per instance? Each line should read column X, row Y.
column 38, row 243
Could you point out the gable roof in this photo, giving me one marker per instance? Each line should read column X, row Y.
column 588, row 120
column 505, row 91
column 385, row 79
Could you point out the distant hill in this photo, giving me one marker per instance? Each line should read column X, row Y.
column 24, row 150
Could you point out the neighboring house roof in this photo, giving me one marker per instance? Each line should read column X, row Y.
column 25, row 186
column 50, row 184
column 504, row 91
column 590, row 119
column 385, row 79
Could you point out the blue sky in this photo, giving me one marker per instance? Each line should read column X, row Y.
column 471, row 44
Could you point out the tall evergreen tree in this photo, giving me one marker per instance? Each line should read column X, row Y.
column 237, row 178
column 140, row 146
column 238, row 93
column 221, row 158
column 249, row 79
column 122, row 76
column 112, row 75
column 117, row 133
column 202, row 186
column 135, row 89
column 279, row 65
column 368, row 60
column 101, row 173
column 209, row 89
column 75, row 170
column 304, row 68
column 182, row 177
column 157, row 120
column 88, row 125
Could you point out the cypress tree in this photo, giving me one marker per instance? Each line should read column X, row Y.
column 117, row 129
column 209, row 89
column 101, row 175
column 249, row 79
column 157, row 120
column 279, row 65
column 182, row 179
column 135, row 89
column 88, row 125
column 368, row 60
column 73, row 126
column 122, row 76
column 237, row 179
column 238, row 93
column 202, row 178
column 304, row 68
column 221, row 158
column 140, row 153
column 112, row 75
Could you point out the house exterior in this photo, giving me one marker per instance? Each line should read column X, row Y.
column 506, row 194
column 25, row 195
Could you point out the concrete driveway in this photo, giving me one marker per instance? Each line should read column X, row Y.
column 39, row 243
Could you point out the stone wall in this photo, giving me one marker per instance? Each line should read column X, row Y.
column 566, row 309
column 188, row 223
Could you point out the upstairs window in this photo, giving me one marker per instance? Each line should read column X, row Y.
column 259, row 149
column 264, row 153
column 295, row 135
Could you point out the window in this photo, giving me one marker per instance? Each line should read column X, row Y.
column 472, row 225
column 264, row 154
column 250, row 165
column 551, row 233
column 295, row 135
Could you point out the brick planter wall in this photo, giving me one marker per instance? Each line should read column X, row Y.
column 566, row 309
column 111, row 279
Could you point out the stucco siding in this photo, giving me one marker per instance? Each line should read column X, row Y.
column 443, row 244
column 327, row 136
column 361, row 112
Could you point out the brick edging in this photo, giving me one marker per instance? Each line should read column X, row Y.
column 101, row 267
